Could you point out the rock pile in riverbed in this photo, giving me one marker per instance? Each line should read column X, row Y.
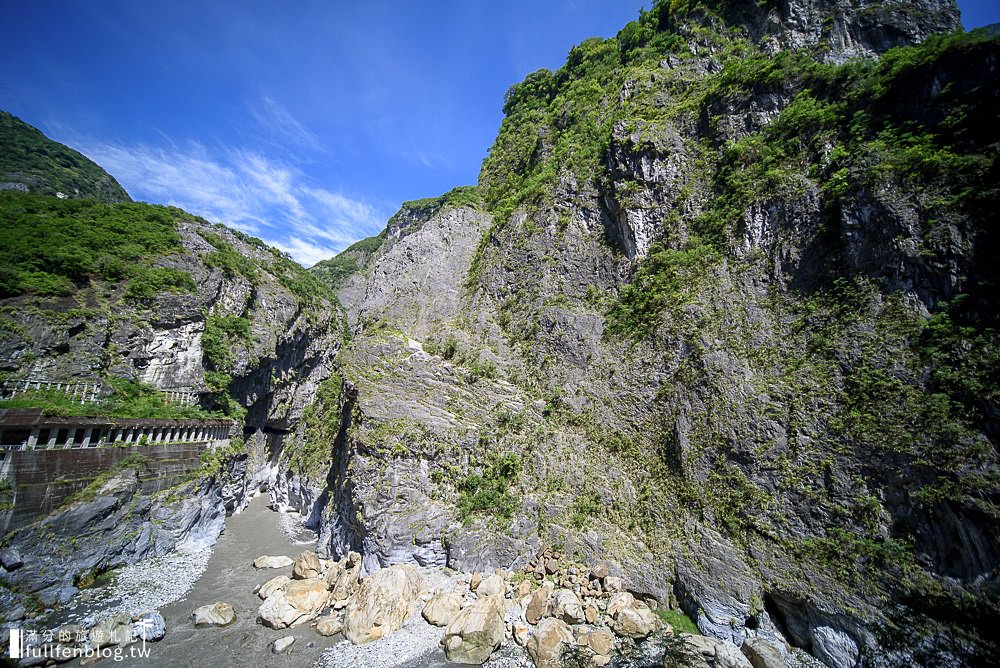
column 552, row 612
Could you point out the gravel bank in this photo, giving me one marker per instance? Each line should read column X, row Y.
column 147, row 585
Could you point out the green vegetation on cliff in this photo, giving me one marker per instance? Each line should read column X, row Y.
column 488, row 490
column 128, row 399
column 809, row 304
column 310, row 452
column 54, row 247
column 31, row 160
column 351, row 260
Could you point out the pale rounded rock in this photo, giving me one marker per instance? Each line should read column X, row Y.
column 538, row 606
column 494, row 585
column 329, row 625
column 600, row 641
column 546, row 646
column 613, row 584
column 442, row 608
column 215, row 614
column 385, row 600
column 274, row 584
column 272, row 562
column 298, row 602
column 565, row 605
column 636, row 621
column 307, row 566
column 619, row 602
column 281, row 644
column 475, row 632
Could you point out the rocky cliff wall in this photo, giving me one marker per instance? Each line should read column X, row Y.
column 716, row 348
column 122, row 520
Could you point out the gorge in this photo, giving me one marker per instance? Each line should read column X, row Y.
column 711, row 345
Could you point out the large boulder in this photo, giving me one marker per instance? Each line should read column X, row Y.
column 310, row 596
column 599, row 641
column 636, row 621
column 272, row 562
column 216, row 614
column 613, row 584
column 307, row 566
column 552, row 637
column 565, row 605
column 274, row 584
column 298, row 602
column 763, row 654
column 441, row 609
column 632, row 618
column 276, row 612
column 694, row 651
column 348, row 574
column 538, row 606
column 329, row 625
column 475, row 631
column 149, row 626
column 332, row 572
column 385, row 600
column 619, row 602
column 494, row 585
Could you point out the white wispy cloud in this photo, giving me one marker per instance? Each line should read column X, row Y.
column 285, row 128
column 243, row 189
column 307, row 254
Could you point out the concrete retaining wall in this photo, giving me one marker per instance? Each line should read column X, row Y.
column 42, row 480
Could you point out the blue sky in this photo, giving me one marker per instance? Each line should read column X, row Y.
column 304, row 123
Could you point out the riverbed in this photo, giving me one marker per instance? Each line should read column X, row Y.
column 230, row 576
column 226, row 573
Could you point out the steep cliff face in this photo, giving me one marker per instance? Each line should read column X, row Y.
column 730, row 328
column 115, row 294
column 153, row 294
column 720, row 313
column 835, row 29
column 120, row 523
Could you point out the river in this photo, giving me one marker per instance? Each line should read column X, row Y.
column 231, row 577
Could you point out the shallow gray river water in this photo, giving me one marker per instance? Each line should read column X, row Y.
column 231, row 577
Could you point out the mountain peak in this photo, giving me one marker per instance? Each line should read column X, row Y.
column 839, row 29
column 30, row 161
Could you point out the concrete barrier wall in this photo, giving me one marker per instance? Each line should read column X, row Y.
column 43, row 479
